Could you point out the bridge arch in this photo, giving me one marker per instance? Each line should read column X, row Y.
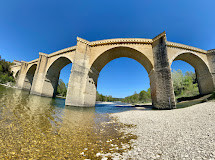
column 52, row 75
column 29, row 77
column 204, row 77
column 16, row 74
column 118, row 52
column 107, row 56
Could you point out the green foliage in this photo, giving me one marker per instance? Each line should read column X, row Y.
column 1, row 68
column 61, row 88
column 145, row 96
column 212, row 97
column 184, row 85
column 142, row 97
column 101, row 97
column 5, row 74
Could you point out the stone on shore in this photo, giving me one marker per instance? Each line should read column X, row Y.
column 187, row 133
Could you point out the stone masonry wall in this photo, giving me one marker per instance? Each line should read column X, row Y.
column 163, row 94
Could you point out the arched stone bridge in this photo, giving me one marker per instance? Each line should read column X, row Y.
column 41, row 75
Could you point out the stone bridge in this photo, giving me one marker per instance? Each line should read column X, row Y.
column 41, row 75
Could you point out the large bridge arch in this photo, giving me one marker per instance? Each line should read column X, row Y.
column 121, row 51
column 204, row 77
column 106, row 57
column 52, row 74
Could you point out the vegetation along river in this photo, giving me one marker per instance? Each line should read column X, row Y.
column 33, row 127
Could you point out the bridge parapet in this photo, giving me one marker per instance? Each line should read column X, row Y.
column 211, row 51
column 17, row 63
column 120, row 41
column 33, row 61
column 186, row 47
column 69, row 49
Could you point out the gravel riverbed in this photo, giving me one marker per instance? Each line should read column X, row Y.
column 187, row 133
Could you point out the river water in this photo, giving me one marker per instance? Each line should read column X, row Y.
column 33, row 127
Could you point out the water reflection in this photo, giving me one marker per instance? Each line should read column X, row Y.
column 38, row 127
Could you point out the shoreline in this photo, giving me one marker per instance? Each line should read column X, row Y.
column 8, row 85
column 187, row 133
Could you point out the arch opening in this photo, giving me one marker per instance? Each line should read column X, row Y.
column 203, row 76
column 108, row 56
column 17, row 74
column 124, row 79
column 184, row 79
column 29, row 77
column 51, row 82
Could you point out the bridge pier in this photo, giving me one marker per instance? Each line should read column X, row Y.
column 205, row 84
column 161, row 84
column 78, row 92
column 20, row 83
column 39, row 77
column 211, row 61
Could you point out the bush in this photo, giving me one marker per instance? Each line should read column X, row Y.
column 212, row 96
column 5, row 74
column 184, row 85
column 61, row 88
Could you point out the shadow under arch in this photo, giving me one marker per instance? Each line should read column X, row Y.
column 52, row 76
column 29, row 77
column 105, row 58
column 204, row 77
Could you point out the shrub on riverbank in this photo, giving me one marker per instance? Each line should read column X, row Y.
column 5, row 74
column 61, row 88
column 184, row 85
column 212, row 96
column 103, row 98
column 142, row 97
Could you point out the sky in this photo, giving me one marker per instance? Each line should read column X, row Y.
column 28, row 27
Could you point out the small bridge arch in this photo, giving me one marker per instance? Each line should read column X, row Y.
column 52, row 75
column 30, row 71
column 204, row 76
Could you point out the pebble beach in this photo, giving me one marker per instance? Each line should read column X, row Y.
column 187, row 133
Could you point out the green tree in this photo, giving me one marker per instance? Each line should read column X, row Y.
column 178, row 79
column 184, row 85
column 61, row 88
column 142, row 97
column 5, row 74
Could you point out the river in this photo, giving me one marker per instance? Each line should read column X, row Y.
column 34, row 127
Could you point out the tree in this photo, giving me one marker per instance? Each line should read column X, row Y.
column 177, row 77
column 5, row 74
column 142, row 97
column 184, row 85
column 61, row 89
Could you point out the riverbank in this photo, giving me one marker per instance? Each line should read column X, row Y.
column 187, row 133
column 9, row 84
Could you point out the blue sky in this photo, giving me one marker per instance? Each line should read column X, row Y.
column 28, row 27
